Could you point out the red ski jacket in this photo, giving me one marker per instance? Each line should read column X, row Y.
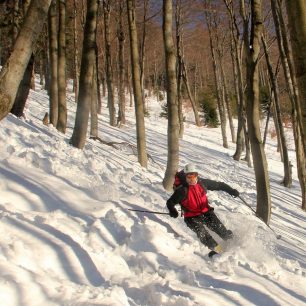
column 196, row 202
column 193, row 198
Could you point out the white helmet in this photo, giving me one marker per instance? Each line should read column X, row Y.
column 190, row 168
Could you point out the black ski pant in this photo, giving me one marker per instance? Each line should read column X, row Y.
column 210, row 220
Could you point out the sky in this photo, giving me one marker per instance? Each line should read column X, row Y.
column 69, row 238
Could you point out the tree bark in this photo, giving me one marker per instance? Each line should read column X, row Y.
column 242, row 137
column 252, row 47
column 108, row 62
column 94, row 105
column 23, row 90
column 98, row 80
column 76, row 53
column 121, row 39
column 53, row 54
column 285, row 54
column 192, row 101
column 78, row 138
column 297, row 25
column 25, row 85
column 296, row 11
column 220, row 102
column 282, row 139
column 15, row 24
column 15, row 66
column 223, row 82
column 138, row 99
column 179, row 51
column 61, row 68
column 227, row 100
column 173, row 120
column 143, row 52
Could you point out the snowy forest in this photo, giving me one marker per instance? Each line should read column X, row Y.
column 102, row 102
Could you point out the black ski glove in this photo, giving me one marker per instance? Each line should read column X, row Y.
column 173, row 213
column 234, row 193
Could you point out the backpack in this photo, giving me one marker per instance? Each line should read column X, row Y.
column 179, row 180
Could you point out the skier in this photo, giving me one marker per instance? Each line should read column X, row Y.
column 190, row 193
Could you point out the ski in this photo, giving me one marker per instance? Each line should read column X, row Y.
column 211, row 254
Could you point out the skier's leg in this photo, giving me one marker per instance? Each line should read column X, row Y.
column 197, row 225
column 214, row 224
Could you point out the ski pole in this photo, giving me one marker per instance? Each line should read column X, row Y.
column 244, row 202
column 276, row 235
column 149, row 211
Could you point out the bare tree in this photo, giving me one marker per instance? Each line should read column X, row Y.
column 121, row 40
column 237, row 50
column 78, row 138
column 61, row 67
column 76, row 52
column 297, row 24
column 94, row 105
column 179, row 52
column 220, row 102
column 286, row 59
column 108, row 63
column 138, row 99
column 143, row 50
column 220, row 41
column 14, row 68
column 182, row 69
column 173, row 120
column 252, row 48
column 25, row 84
column 282, row 139
column 23, row 90
column 53, row 54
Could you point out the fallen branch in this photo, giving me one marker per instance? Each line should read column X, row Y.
column 117, row 145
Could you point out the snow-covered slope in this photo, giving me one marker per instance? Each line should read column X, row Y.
column 68, row 238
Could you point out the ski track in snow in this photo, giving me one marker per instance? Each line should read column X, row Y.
column 68, row 237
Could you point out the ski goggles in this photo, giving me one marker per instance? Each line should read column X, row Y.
column 192, row 175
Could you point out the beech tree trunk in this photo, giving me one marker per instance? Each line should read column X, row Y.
column 94, row 104
column 15, row 66
column 179, row 52
column 219, row 46
column 252, row 47
column 108, row 63
column 297, row 25
column 53, row 54
column 285, row 54
column 23, row 90
column 121, row 40
column 192, row 101
column 173, row 120
column 296, row 11
column 78, row 138
column 25, row 85
column 138, row 99
column 61, row 64
column 227, row 100
column 143, row 52
column 242, row 136
column 76, row 53
column 220, row 102
column 282, row 139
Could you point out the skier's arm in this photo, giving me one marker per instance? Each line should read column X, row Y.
column 175, row 199
column 215, row 185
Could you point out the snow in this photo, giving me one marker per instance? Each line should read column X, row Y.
column 68, row 238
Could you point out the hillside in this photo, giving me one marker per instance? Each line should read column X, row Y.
column 68, row 237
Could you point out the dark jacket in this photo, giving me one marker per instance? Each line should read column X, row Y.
column 193, row 198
